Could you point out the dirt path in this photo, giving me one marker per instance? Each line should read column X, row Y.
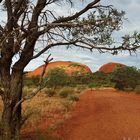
column 104, row 115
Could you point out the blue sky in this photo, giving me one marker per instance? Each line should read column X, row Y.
column 94, row 60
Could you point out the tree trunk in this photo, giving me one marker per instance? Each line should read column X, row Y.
column 11, row 119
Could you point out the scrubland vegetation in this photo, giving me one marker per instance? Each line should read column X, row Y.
column 59, row 83
column 62, row 90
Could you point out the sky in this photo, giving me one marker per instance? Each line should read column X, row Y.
column 94, row 60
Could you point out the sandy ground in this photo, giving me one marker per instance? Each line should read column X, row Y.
column 104, row 115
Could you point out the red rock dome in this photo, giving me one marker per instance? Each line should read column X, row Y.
column 109, row 67
column 68, row 66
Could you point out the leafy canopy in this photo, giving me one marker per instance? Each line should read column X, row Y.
column 33, row 27
column 56, row 77
column 126, row 77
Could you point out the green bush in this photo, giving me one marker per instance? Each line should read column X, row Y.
column 80, row 78
column 100, row 78
column 125, row 77
column 50, row 92
column 73, row 98
column 33, row 81
column 94, row 85
column 137, row 89
column 80, row 88
column 64, row 92
column 57, row 77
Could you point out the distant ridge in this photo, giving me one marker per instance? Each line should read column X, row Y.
column 109, row 67
column 68, row 66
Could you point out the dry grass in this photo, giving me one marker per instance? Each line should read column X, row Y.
column 41, row 104
column 44, row 113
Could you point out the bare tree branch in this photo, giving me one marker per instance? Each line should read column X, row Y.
column 40, row 86
column 52, row 45
column 69, row 18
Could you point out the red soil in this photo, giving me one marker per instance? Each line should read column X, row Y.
column 68, row 66
column 109, row 67
column 103, row 115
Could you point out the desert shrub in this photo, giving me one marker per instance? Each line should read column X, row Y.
column 119, row 86
column 86, row 78
column 50, row 92
column 137, row 89
column 125, row 77
column 57, row 77
column 80, row 77
column 94, row 85
column 31, row 81
column 80, row 88
column 67, row 105
column 99, row 79
column 73, row 97
column 64, row 92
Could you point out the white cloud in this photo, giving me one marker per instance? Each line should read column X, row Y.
column 95, row 60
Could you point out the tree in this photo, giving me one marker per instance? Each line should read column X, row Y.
column 125, row 77
column 100, row 78
column 29, row 22
column 57, row 77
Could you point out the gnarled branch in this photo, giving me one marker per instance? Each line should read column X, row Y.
column 40, row 86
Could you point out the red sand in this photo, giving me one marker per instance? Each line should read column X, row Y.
column 66, row 65
column 104, row 115
column 109, row 67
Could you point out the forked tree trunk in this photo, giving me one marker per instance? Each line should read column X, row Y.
column 11, row 124
column 11, row 120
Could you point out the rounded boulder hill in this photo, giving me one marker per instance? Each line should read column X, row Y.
column 110, row 67
column 68, row 66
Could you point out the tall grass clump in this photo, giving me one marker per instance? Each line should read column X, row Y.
column 66, row 91
column 49, row 92
column 73, row 97
column 27, row 90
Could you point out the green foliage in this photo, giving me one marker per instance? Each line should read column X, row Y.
column 33, row 81
column 86, row 78
column 94, row 85
column 57, row 77
column 137, row 89
column 99, row 79
column 125, row 77
column 80, row 88
column 102, row 34
column 65, row 92
column 74, row 65
column 80, row 78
